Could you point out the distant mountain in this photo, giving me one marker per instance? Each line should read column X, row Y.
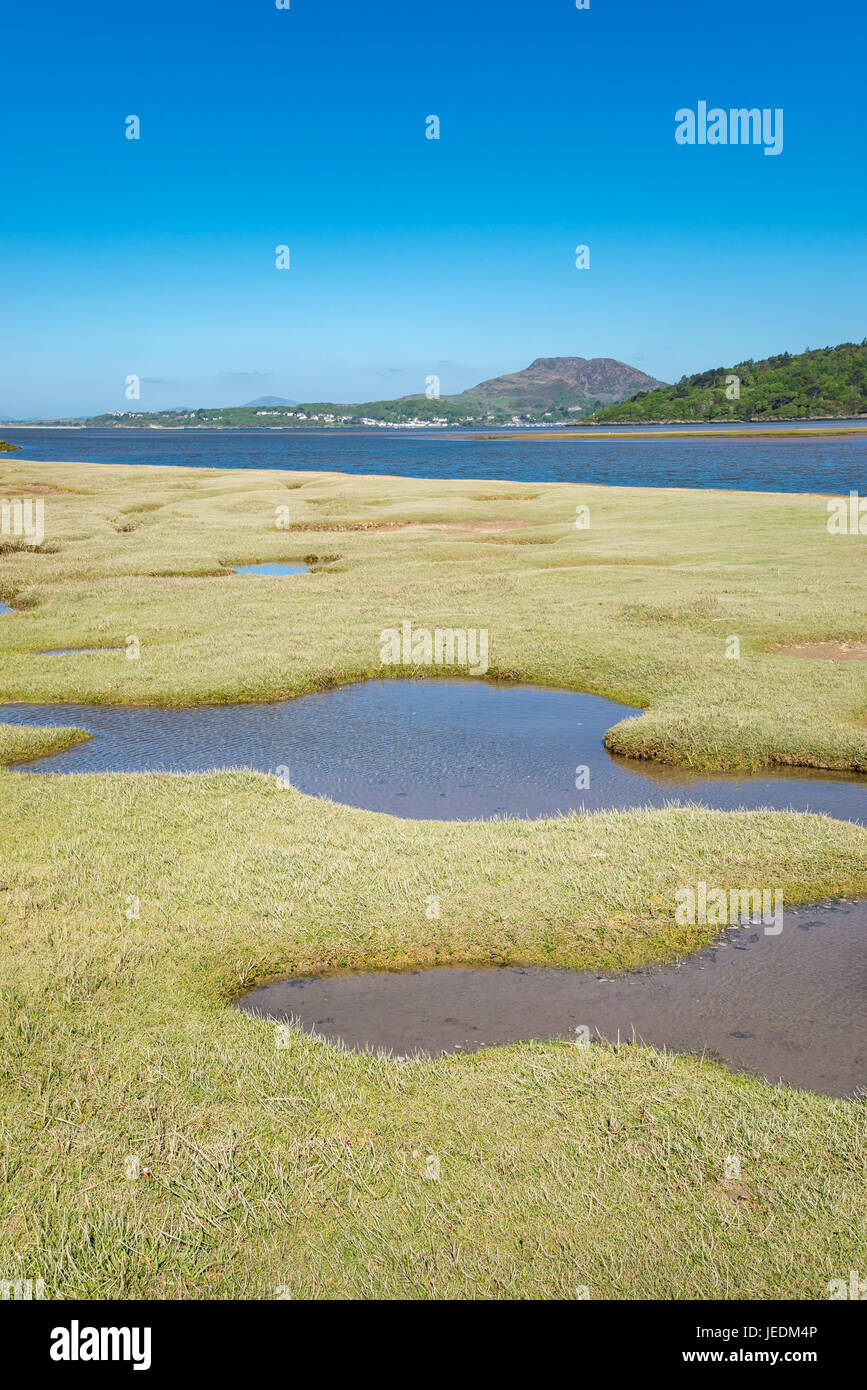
column 551, row 389
column 823, row 382
column 809, row 385
column 268, row 400
column 562, row 385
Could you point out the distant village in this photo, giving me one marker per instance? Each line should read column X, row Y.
column 183, row 418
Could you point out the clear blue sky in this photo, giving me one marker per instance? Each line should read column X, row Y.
column 411, row 256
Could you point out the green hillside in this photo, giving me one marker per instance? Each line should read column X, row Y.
column 307, row 415
column 810, row 385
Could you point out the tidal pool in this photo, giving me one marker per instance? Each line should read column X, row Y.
column 787, row 1008
column 436, row 749
column 76, row 651
column 270, row 569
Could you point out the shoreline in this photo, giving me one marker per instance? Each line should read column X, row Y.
column 846, row 431
column 586, row 430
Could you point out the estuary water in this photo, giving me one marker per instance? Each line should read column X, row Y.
column 811, row 464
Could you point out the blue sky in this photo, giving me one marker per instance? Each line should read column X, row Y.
column 306, row 127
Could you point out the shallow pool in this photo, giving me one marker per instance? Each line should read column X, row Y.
column 787, row 1007
column 77, row 651
column 438, row 749
column 271, row 569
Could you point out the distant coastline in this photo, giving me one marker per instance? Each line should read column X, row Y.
column 799, row 426
column 732, row 431
column 566, row 393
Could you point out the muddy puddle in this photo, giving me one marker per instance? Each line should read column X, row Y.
column 788, row 1007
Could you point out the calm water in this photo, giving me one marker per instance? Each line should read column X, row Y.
column 788, row 1007
column 783, row 465
column 76, row 651
column 440, row 749
column 271, row 570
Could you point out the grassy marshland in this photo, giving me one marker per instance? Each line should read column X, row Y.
column 134, row 907
column 637, row 607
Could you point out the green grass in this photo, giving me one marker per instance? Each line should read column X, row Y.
column 134, row 907
column 305, row 1168
column 19, row 744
